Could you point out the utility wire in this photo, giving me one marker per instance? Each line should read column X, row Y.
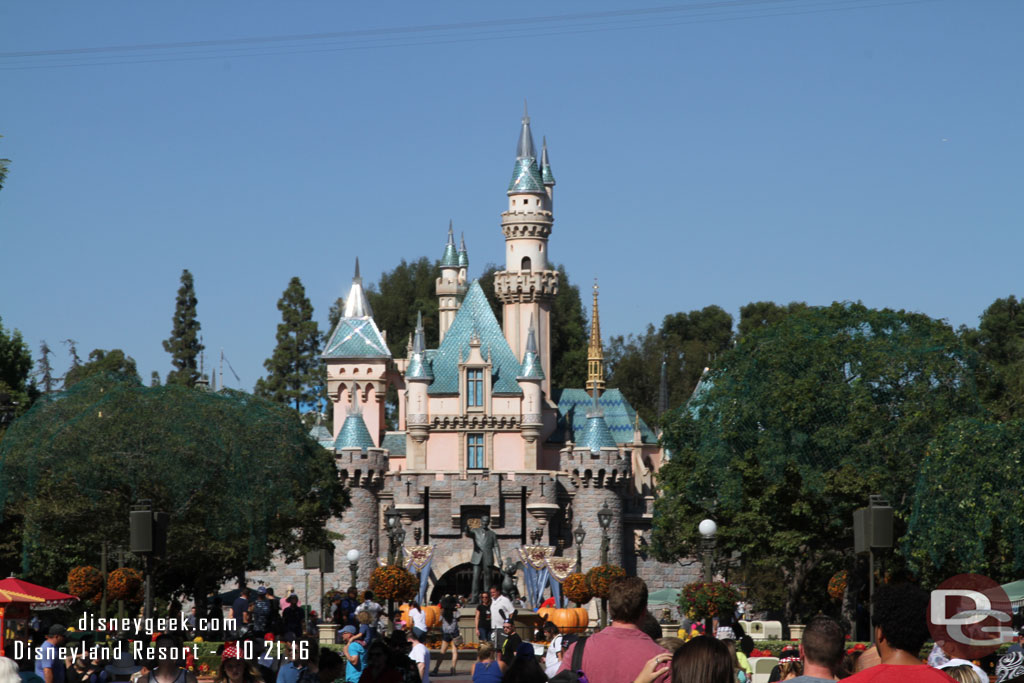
column 443, row 34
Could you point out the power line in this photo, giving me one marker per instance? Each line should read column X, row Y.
column 440, row 34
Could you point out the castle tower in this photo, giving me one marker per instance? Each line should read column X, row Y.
column 418, row 376
column 361, row 467
column 527, row 286
column 451, row 285
column 598, row 474
column 595, row 353
column 531, row 375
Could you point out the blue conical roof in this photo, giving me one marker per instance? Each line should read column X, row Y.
column 596, row 434
column 526, row 177
column 463, row 254
column 420, row 366
column 531, row 367
column 354, row 434
column 322, row 435
column 451, row 256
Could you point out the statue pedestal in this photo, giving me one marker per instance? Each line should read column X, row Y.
column 326, row 633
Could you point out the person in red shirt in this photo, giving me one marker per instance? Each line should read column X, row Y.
column 901, row 629
column 619, row 652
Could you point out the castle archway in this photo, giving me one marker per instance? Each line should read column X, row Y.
column 458, row 580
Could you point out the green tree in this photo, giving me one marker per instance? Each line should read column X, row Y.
column 399, row 295
column 102, row 362
column 295, row 371
column 16, row 389
column 968, row 502
column 798, row 424
column 73, row 465
column 4, row 163
column 184, row 344
column 44, row 369
column 686, row 342
column 999, row 341
column 758, row 314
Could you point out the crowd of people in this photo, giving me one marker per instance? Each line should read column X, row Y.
column 380, row 648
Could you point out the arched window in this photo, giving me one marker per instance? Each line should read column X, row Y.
column 526, row 264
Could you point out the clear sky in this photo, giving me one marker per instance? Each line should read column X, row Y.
column 713, row 152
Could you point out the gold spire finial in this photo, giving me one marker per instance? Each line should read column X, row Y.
column 595, row 354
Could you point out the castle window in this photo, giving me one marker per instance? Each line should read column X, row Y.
column 526, row 264
column 474, row 388
column 475, row 451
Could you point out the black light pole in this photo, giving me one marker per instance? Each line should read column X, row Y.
column 578, row 534
column 604, row 518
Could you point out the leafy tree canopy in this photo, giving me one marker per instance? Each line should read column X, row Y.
column 999, row 341
column 102, row 362
column 758, row 314
column 239, row 476
column 295, row 371
column 184, row 344
column 16, row 390
column 798, row 424
column 968, row 502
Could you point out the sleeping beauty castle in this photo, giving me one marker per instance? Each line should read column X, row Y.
column 480, row 431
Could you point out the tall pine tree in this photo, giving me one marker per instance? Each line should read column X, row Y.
column 294, row 370
column 183, row 344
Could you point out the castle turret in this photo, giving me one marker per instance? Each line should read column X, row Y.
column 546, row 175
column 598, row 473
column 418, row 376
column 531, row 375
column 463, row 257
column 450, row 287
column 358, row 362
column 527, row 286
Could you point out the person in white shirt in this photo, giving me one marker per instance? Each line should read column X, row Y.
column 501, row 609
column 421, row 655
column 419, row 620
column 553, row 657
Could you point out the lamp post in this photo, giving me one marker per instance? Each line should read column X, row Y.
column 604, row 518
column 708, row 529
column 391, row 517
column 578, row 534
column 353, row 564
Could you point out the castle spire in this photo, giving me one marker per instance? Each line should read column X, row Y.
column 451, row 257
column 663, row 389
column 531, row 367
column 595, row 354
column 463, row 254
column 419, row 365
column 356, row 303
column 525, row 149
column 545, row 166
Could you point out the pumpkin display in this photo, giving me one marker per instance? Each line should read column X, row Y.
column 567, row 619
column 431, row 612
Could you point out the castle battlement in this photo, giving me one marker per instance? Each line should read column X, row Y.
column 362, row 467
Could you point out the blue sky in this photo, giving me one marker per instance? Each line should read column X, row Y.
column 706, row 153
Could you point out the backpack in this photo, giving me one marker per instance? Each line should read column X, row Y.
column 573, row 674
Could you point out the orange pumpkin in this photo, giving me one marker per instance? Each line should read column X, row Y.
column 431, row 612
column 567, row 619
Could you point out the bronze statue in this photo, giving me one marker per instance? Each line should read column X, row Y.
column 485, row 554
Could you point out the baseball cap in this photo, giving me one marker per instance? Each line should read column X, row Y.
column 262, row 590
column 57, row 630
column 349, row 629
